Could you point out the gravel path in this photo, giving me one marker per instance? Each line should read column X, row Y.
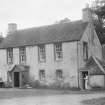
column 64, row 99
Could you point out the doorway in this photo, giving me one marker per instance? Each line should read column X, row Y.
column 16, row 79
column 84, row 79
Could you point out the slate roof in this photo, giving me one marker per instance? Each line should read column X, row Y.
column 19, row 68
column 102, row 62
column 95, row 66
column 71, row 31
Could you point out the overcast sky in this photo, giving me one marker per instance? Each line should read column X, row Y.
column 30, row 13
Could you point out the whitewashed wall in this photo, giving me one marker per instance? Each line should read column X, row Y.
column 72, row 60
column 3, row 65
column 97, row 81
column 94, row 49
column 68, row 65
column 32, row 61
column 16, row 56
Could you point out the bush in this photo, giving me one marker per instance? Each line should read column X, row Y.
column 97, row 87
column 56, row 85
column 8, row 85
column 35, row 84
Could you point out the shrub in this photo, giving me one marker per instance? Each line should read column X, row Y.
column 96, row 87
column 8, row 84
column 56, row 85
column 35, row 84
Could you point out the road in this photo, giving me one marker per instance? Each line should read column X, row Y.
column 64, row 99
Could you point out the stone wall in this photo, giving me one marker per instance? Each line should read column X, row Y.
column 97, row 81
column 68, row 65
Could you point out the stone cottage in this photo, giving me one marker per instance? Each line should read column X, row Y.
column 61, row 54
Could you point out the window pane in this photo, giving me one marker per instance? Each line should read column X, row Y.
column 10, row 56
column 42, row 74
column 58, row 51
column 22, row 54
column 85, row 51
column 42, row 56
column 59, row 74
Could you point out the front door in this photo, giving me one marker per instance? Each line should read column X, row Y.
column 16, row 79
column 84, row 80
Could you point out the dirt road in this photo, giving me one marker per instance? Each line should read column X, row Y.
column 64, row 99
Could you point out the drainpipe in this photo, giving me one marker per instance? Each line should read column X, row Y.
column 78, row 65
column 20, row 79
column 13, row 79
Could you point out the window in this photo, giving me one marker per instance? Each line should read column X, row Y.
column 58, row 51
column 41, row 51
column 10, row 56
column 85, row 51
column 59, row 74
column 42, row 74
column 22, row 55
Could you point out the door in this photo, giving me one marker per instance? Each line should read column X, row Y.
column 84, row 75
column 16, row 79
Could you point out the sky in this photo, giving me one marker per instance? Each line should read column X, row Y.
column 33, row 13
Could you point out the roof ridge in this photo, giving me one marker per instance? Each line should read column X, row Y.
column 71, row 31
column 48, row 25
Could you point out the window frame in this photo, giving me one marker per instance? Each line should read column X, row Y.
column 85, row 51
column 22, row 55
column 42, row 75
column 10, row 55
column 41, row 53
column 59, row 74
column 58, row 51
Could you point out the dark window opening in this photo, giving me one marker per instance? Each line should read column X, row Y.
column 85, row 51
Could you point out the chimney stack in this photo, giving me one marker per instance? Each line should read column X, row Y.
column 12, row 27
column 87, row 14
